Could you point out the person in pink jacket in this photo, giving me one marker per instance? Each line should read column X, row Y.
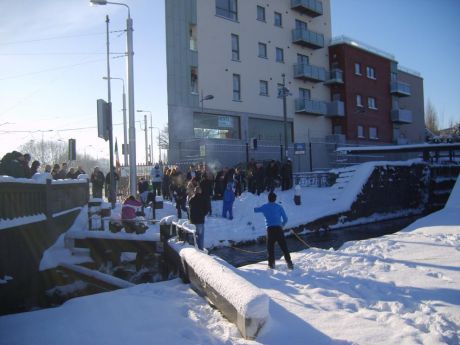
column 129, row 211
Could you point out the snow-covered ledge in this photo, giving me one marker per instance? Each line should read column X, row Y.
column 239, row 300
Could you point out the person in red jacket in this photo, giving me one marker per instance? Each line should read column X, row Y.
column 129, row 211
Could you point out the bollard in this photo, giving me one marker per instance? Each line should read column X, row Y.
column 297, row 199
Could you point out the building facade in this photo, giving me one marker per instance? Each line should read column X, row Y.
column 383, row 104
column 225, row 63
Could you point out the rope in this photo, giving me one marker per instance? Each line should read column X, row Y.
column 301, row 240
column 248, row 251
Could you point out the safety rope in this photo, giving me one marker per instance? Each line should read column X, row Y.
column 300, row 239
column 249, row 251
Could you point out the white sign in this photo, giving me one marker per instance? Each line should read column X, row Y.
column 225, row 122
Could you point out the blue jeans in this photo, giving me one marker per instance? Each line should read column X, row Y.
column 227, row 207
column 200, row 235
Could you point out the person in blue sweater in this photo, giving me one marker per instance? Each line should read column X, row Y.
column 275, row 219
column 229, row 198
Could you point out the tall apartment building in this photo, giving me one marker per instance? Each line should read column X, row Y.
column 225, row 61
column 383, row 104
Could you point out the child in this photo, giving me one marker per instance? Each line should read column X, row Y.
column 229, row 198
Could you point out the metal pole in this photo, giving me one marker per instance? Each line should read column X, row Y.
column 159, row 147
column 132, row 129
column 125, row 127
column 151, row 138
column 146, row 141
column 285, row 117
column 111, row 174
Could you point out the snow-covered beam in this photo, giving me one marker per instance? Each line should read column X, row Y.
column 240, row 301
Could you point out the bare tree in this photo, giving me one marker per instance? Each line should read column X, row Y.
column 47, row 152
column 431, row 118
column 164, row 138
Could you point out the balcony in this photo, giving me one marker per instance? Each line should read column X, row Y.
column 400, row 89
column 307, row 106
column 335, row 108
column 313, row 8
column 335, row 77
column 307, row 38
column 309, row 72
column 401, row 116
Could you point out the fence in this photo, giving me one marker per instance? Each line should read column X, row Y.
column 28, row 199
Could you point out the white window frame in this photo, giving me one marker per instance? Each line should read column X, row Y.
column 372, row 103
column 358, row 68
column 370, row 72
column 359, row 100
column 263, row 88
column 360, row 132
column 235, row 52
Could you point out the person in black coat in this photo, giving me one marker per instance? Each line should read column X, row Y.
column 97, row 180
column 206, row 189
column 198, row 209
column 286, row 175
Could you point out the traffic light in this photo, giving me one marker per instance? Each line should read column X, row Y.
column 72, row 150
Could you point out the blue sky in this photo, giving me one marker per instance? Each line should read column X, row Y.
column 52, row 55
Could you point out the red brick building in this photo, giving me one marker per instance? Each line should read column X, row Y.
column 366, row 80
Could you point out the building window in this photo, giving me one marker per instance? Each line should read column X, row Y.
column 304, row 93
column 236, row 87
column 370, row 72
column 263, row 86
column 262, row 50
column 359, row 101
column 300, row 25
column 373, row 133
column 261, row 13
column 357, row 68
column 302, row 59
column 235, row 47
column 268, row 129
column 227, row 9
column 371, row 103
column 278, row 19
column 216, row 126
column 194, row 80
column 279, row 55
column 361, row 132
column 192, row 34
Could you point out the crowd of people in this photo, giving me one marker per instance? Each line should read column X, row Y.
column 16, row 164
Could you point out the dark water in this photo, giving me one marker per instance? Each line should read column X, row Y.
column 248, row 254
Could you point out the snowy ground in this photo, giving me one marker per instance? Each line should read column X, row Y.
column 398, row 289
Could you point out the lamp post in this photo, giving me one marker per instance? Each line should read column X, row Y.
column 125, row 128
column 284, row 93
column 130, row 77
column 151, row 135
column 205, row 98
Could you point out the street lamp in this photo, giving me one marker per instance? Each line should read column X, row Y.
column 130, row 77
column 125, row 129
column 284, row 92
column 205, row 98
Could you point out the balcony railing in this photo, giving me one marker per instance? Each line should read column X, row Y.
column 400, row 88
column 401, row 116
column 307, row 106
column 335, row 77
column 309, row 72
column 313, row 8
column 308, row 38
column 336, row 108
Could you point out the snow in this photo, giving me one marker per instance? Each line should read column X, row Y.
column 397, row 147
column 397, row 289
column 11, row 223
column 5, row 279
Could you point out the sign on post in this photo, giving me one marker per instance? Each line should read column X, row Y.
column 103, row 119
column 300, row 148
